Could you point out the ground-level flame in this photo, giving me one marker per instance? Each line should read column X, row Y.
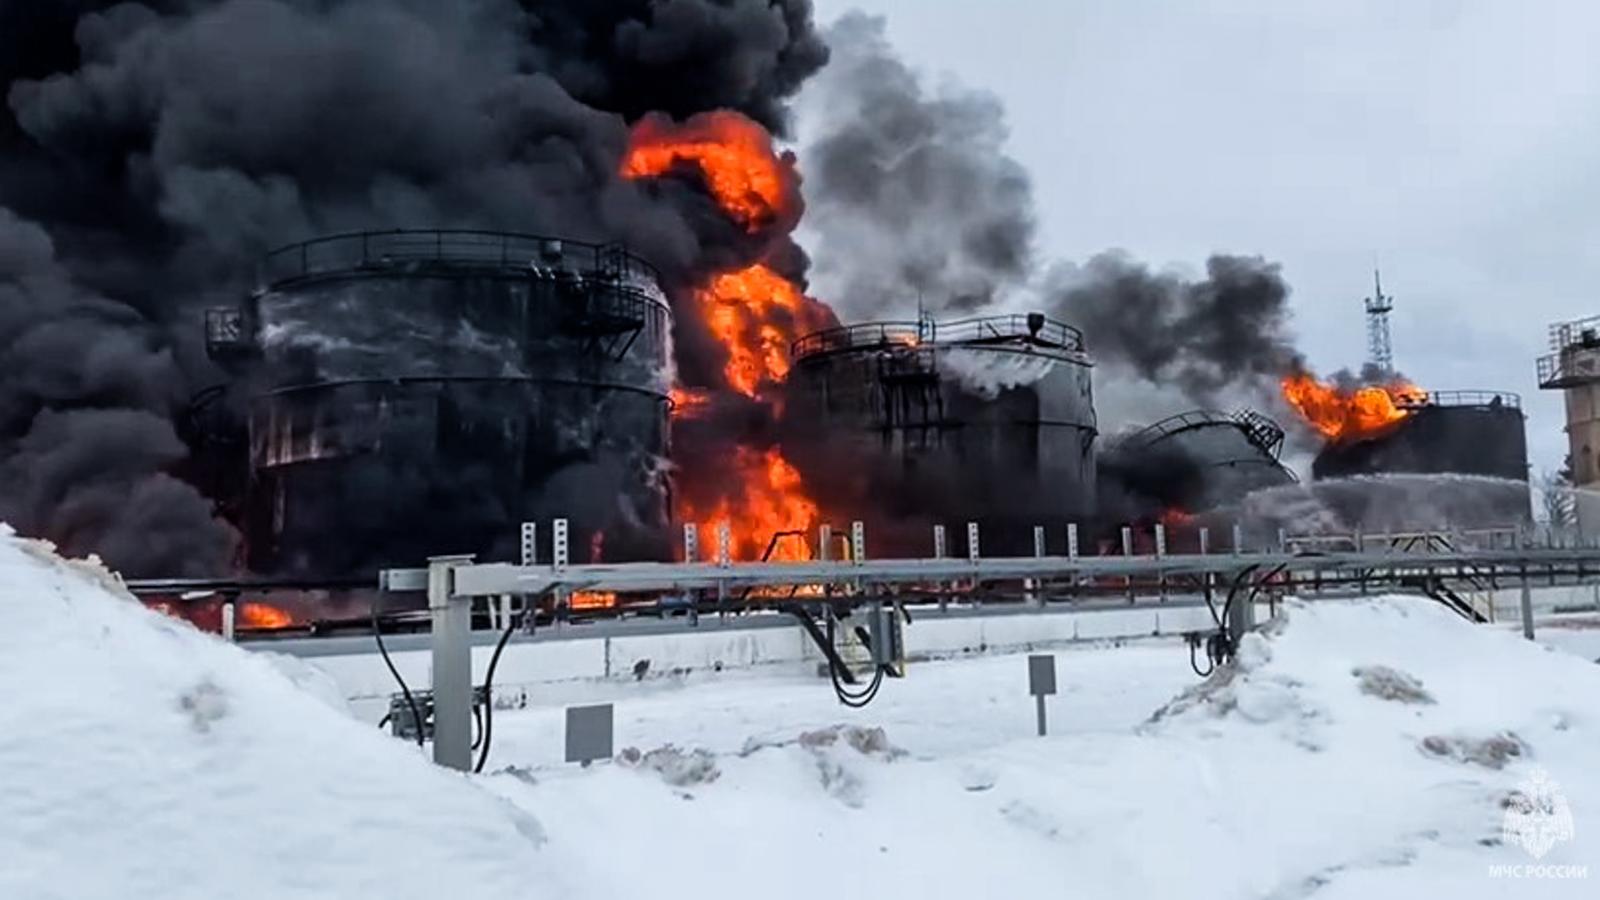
column 262, row 616
column 588, row 600
column 1346, row 414
column 772, row 500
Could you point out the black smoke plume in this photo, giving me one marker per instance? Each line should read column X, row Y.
column 88, row 395
column 1219, row 338
column 150, row 153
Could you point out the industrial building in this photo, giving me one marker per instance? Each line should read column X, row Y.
column 1573, row 367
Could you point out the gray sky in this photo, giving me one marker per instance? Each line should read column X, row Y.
column 1451, row 140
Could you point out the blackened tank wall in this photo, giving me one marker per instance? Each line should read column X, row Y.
column 1460, row 440
column 1483, row 440
column 947, row 434
column 412, row 410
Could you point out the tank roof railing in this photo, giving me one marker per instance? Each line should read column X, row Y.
column 1033, row 329
column 1258, row 429
column 363, row 251
column 863, row 335
column 1183, row 421
column 1504, row 399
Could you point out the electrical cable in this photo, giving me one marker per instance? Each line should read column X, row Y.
column 1220, row 646
column 1193, row 640
column 858, row 700
column 854, row 699
column 488, row 683
column 411, row 702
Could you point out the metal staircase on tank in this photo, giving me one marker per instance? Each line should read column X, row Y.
column 1261, row 431
column 603, row 307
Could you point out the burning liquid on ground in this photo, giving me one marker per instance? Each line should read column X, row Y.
column 773, row 501
column 1346, row 414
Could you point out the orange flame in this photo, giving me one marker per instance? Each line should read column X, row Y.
column 581, row 600
column 748, row 180
column 263, row 616
column 688, row 402
column 1342, row 414
column 755, row 314
column 772, row 500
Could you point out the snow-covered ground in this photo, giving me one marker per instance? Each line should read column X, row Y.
column 1361, row 749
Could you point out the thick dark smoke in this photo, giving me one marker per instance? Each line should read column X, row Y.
column 1220, row 338
column 912, row 196
column 150, row 153
column 88, row 394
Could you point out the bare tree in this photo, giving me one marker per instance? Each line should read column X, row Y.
column 1556, row 496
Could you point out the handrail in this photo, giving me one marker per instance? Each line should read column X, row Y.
column 1460, row 398
column 1174, row 423
column 1033, row 328
column 365, row 250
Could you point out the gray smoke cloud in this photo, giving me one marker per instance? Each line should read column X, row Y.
column 150, row 153
column 913, row 197
column 1218, row 341
column 910, row 192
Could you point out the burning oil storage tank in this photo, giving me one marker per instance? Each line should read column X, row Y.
column 987, row 419
column 424, row 392
column 1190, row 462
column 1478, row 436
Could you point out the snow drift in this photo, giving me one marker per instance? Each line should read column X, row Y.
column 143, row 759
column 1358, row 749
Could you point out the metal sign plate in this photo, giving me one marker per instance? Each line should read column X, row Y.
column 589, row 733
column 1041, row 674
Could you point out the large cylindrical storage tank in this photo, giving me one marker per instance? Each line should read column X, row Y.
column 1189, row 463
column 426, row 392
column 1476, row 434
column 989, row 420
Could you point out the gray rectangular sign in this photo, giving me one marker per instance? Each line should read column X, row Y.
column 1041, row 674
column 589, row 733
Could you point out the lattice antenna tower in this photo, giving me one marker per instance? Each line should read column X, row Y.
column 1380, row 350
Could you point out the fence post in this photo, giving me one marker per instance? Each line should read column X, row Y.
column 452, row 665
column 1527, row 605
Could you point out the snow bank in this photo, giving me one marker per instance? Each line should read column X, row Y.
column 140, row 758
column 1362, row 749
